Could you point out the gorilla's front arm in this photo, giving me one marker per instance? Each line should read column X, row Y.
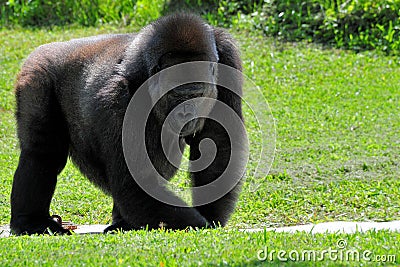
column 219, row 211
column 136, row 209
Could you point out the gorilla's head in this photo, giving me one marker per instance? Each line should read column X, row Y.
column 175, row 40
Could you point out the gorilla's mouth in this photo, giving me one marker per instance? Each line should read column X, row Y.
column 187, row 129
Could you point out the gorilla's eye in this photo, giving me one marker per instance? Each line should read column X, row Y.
column 157, row 69
column 212, row 69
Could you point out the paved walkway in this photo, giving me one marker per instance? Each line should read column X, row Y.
column 328, row 227
column 334, row 227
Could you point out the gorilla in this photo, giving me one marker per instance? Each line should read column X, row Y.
column 71, row 100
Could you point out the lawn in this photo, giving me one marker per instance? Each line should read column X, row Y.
column 337, row 158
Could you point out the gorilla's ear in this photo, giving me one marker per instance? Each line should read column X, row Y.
column 133, row 66
column 132, row 75
column 127, row 76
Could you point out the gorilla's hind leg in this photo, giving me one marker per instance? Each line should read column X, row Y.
column 43, row 138
column 33, row 188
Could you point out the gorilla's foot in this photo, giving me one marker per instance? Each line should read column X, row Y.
column 25, row 225
column 118, row 227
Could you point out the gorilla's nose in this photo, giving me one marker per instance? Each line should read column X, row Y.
column 186, row 113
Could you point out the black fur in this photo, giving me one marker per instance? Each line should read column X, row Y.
column 71, row 99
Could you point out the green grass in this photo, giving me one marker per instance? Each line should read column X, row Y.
column 337, row 158
column 201, row 248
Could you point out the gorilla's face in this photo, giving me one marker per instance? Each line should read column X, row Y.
column 183, row 109
column 188, row 108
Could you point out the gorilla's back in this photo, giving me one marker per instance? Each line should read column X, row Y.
column 78, row 69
